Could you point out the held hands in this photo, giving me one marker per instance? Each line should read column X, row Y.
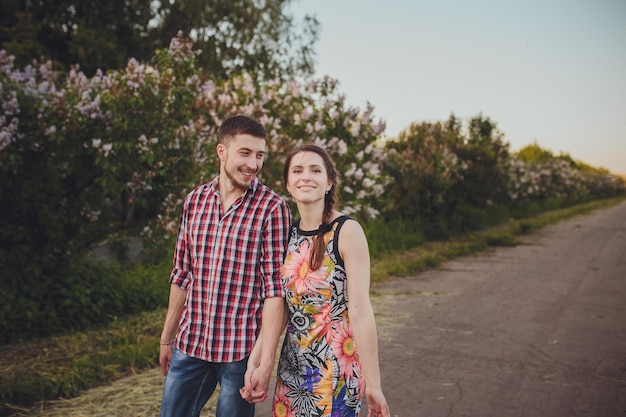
column 257, row 380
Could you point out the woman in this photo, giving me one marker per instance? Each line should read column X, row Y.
column 330, row 352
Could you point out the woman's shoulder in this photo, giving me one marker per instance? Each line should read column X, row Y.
column 341, row 218
column 348, row 226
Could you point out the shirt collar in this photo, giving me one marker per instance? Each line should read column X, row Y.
column 254, row 185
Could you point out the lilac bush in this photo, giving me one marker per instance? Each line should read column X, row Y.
column 122, row 149
column 558, row 178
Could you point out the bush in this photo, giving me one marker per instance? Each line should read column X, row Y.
column 82, row 295
column 91, row 159
column 146, row 287
column 73, row 296
column 398, row 234
column 468, row 219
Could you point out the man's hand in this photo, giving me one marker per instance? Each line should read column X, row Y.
column 165, row 358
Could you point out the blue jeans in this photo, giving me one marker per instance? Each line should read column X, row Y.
column 190, row 383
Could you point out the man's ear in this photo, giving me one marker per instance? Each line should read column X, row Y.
column 221, row 151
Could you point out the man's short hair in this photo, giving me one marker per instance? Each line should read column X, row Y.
column 240, row 125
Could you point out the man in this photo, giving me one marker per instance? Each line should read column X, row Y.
column 231, row 242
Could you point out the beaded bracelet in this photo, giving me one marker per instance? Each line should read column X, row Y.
column 171, row 342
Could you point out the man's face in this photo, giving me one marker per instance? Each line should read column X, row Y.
column 241, row 159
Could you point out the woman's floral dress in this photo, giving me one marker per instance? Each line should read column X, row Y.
column 319, row 370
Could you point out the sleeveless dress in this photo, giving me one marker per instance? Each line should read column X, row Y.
column 319, row 370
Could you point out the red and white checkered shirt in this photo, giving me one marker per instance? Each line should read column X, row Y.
column 228, row 263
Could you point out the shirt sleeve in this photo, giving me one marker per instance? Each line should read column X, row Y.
column 180, row 272
column 276, row 238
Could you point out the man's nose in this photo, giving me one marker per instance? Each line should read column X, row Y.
column 252, row 162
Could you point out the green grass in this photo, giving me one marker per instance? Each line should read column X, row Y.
column 64, row 366
column 432, row 254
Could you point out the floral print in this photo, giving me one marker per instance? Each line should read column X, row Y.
column 319, row 371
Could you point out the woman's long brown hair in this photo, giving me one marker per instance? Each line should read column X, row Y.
column 330, row 200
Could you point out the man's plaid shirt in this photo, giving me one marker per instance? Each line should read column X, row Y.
column 228, row 263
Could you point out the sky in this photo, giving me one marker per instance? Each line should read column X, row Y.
column 550, row 72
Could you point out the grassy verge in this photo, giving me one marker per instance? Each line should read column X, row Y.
column 64, row 366
column 432, row 254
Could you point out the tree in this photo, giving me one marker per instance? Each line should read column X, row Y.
column 95, row 34
column 485, row 154
column 424, row 168
column 258, row 37
column 253, row 36
column 534, row 154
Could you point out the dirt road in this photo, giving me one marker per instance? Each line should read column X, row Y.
column 538, row 330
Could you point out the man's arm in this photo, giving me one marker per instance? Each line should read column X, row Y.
column 174, row 311
column 262, row 358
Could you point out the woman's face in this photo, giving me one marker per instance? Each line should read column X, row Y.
column 307, row 178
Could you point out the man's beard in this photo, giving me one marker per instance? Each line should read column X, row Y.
column 237, row 183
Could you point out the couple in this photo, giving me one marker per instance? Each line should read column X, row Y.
column 239, row 262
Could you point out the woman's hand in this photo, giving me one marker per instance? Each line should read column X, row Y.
column 376, row 403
